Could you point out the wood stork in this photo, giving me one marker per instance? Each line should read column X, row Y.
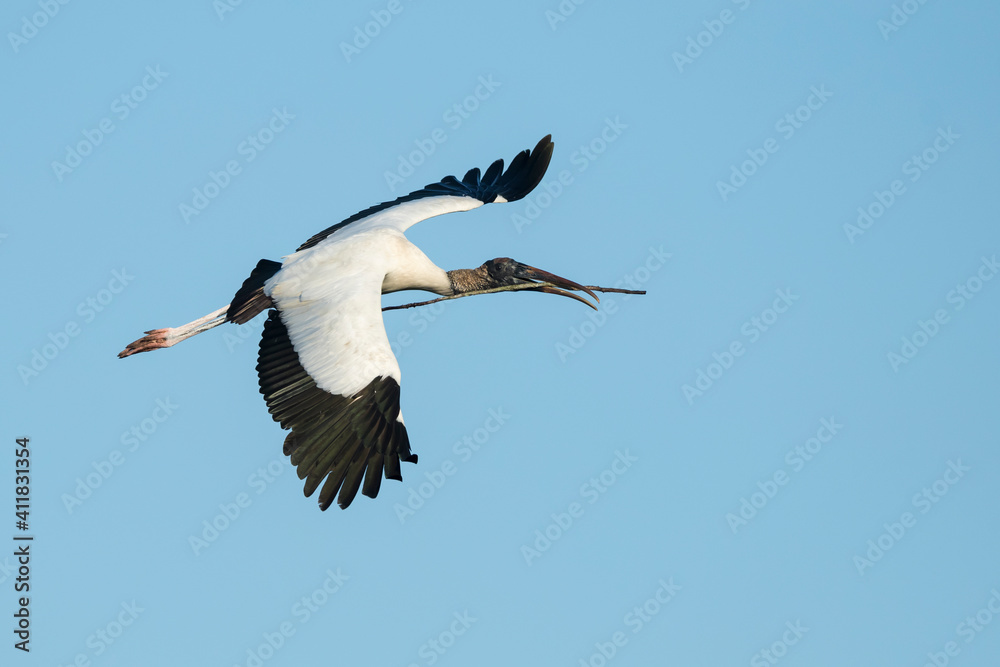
column 325, row 366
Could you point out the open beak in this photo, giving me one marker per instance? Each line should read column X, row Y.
column 553, row 284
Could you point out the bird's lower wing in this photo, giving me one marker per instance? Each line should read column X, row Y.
column 327, row 372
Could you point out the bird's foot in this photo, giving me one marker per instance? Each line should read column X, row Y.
column 153, row 340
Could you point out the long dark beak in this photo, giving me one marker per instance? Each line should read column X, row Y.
column 553, row 284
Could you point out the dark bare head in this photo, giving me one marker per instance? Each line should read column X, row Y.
column 506, row 272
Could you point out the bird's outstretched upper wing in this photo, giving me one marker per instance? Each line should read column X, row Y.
column 327, row 372
column 450, row 194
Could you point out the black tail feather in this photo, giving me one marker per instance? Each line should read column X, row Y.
column 250, row 301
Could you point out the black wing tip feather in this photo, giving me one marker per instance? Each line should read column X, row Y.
column 336, row 441
column 520, row 184
column 523, row 175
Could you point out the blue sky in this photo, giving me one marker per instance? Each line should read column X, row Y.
column 786, row 452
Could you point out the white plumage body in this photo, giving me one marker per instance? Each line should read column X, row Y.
column 329, row 297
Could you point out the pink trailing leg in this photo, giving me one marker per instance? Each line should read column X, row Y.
column 159, row 338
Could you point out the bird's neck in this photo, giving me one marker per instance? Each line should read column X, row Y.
column 470, row 280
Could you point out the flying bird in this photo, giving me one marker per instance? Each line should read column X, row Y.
column 325, row 366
